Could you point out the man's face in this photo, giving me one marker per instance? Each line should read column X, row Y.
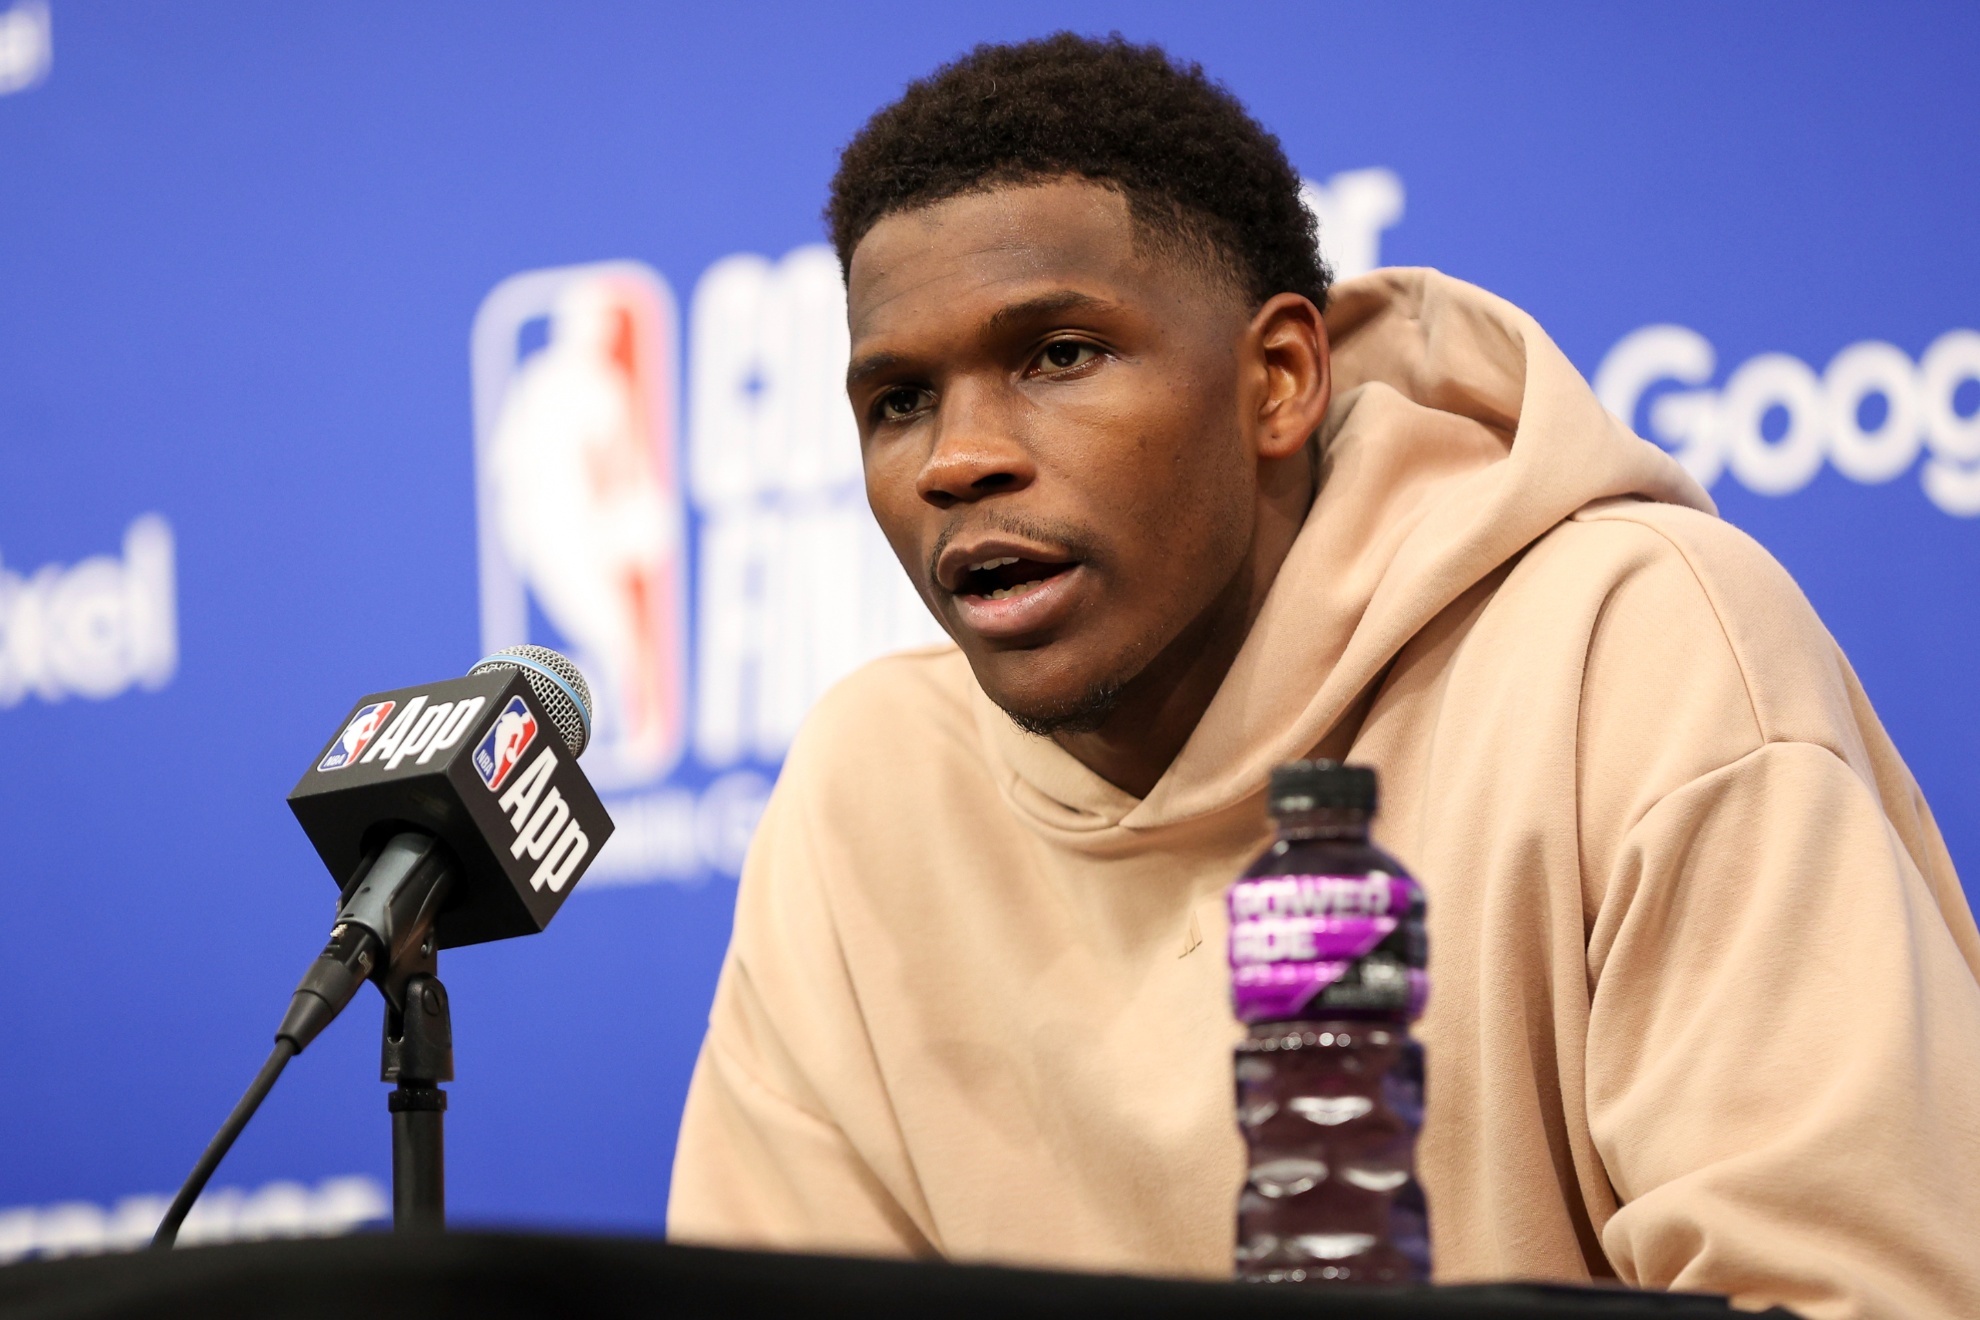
column 1053, row 423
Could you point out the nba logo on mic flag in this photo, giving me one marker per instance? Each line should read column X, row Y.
column 357, row 735
column 582, row 523
column 504, row 744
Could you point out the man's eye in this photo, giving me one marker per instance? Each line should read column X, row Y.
column 1065, row 354
column 895, row 404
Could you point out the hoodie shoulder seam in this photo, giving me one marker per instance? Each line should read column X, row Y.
column 1718, row 617
column 1642, row 820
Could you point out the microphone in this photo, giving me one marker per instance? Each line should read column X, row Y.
column 456, row 810
column 452, row 813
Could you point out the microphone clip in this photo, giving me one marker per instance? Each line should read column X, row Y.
column 419, row 1029
column 418, row 1054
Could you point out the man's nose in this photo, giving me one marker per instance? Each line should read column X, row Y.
column 976, row 452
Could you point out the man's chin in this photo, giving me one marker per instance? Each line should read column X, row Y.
column 1082, row 713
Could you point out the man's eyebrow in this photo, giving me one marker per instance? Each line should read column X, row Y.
column 871, row 365
column 1045, row 304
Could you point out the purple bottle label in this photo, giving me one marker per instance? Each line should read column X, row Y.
column 1293, row 936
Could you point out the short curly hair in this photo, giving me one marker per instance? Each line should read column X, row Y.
column 1200, row 175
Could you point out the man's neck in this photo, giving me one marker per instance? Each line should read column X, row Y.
column 1162, row 705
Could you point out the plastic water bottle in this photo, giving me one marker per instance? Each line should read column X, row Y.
column 1327, row 972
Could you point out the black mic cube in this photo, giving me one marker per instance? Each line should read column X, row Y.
column 475, row 762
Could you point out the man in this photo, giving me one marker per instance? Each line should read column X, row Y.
column 1704, row 1012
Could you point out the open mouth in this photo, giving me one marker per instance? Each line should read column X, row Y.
column 1006, row 577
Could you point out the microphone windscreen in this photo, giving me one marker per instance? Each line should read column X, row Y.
column 557, row 685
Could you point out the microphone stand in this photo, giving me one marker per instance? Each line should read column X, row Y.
column 418, row 1055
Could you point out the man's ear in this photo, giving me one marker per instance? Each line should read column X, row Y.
column 1290, row 341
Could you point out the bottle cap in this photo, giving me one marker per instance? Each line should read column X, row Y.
column 1313, row 785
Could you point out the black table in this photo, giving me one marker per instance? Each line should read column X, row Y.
column 513, row 1276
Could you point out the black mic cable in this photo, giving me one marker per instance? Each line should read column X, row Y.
column 332, row 981
column 223, row 1141
column 389, row 912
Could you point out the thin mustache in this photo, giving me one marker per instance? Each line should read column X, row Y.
column 1010, row 525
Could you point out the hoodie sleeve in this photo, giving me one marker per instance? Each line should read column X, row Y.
column 1784, row 1047
column 763, row 1158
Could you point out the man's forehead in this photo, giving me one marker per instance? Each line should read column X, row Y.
column 974, row 253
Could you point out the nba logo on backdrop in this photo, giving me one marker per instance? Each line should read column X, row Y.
column 582, row 537
column 357, row 735
column 594, row 509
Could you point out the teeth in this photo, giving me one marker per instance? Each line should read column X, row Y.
column 988, row 564
column 1005, row 593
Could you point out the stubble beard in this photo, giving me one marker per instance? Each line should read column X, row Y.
column 1085, row 713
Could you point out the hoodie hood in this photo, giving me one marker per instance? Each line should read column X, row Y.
column 1459, row 434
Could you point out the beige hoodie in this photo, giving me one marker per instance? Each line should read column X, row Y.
column 1704, row 1009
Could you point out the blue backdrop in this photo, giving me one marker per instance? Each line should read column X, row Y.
column 338, row 343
